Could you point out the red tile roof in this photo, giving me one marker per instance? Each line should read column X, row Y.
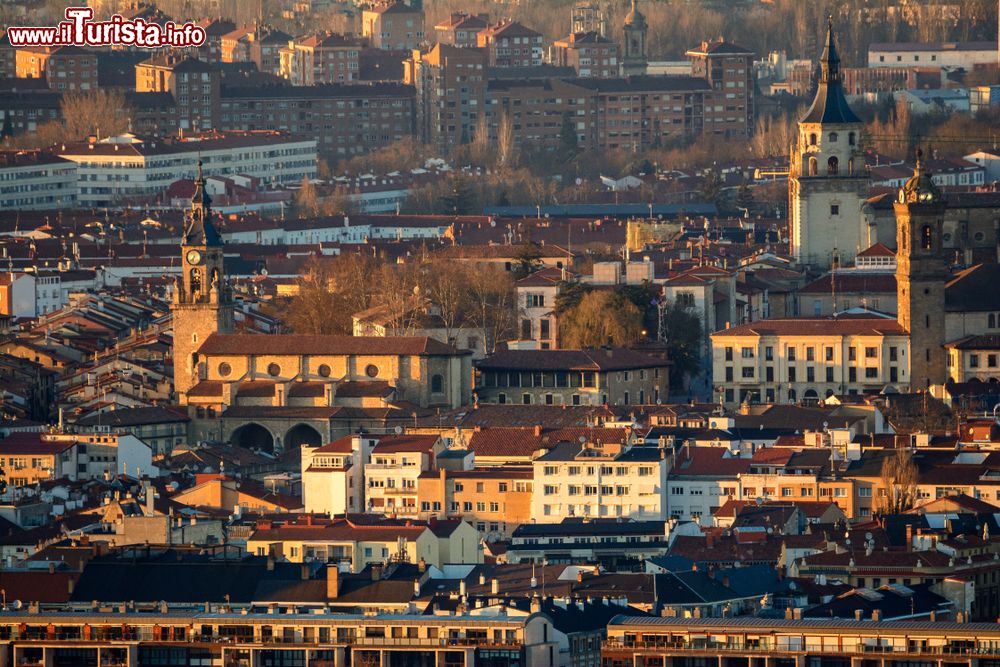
column 828, row 326
column 33, row 444
column 708, row 461
column 298, row 344
column 391, row 444
column 878, row 250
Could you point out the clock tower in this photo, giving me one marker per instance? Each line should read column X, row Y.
column 921, row 274
column 202, row 303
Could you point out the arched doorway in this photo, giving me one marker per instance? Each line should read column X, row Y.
column 253, row 436
column 302, row 434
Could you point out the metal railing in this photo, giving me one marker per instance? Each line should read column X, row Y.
column 716, row 647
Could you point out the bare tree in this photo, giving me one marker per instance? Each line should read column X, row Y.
column 505, row 141
column 492, row 306
column 899, row 480
column 100, row 112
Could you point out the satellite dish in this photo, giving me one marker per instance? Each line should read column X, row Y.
column 759, row 501
column 17, row 604
column 847, row 541
column 770, row 530
column 868, row 536
column 398, row 430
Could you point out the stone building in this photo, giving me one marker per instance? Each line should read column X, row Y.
column 605, row 376
column 827, row 183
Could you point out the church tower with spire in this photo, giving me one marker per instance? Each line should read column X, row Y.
column 827, row 182
column 202, row 303
column 634, row 61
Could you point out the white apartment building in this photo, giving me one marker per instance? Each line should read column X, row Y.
column 702, row 479
column 333, row 475
column 964, row 55
column 36, row 180
column 536, row 301
column 599, row 480
column 797, row 359
column 392, row 471
column 125, row 168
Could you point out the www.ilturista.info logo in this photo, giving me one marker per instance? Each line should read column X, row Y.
column 80, row 30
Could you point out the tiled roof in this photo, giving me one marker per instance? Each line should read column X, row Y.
column 28, row 444
column 852, row 282
column 877, row 250
column 597, row 359
column 708, row 461
column 829, row 326
column 391, row 444
column 300, row 344
column 984, row 342
column 974, row 289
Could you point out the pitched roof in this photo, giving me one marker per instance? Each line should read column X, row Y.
column 594, row 359
column 973, row 289
column 299, row 344
column 33, row 444
column 830, row 104
column 820, row 326
column 854, row 282
column 877, row 250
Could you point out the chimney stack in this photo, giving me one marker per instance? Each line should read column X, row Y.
column 495, row 586
column 332, row 581
column 304, row 572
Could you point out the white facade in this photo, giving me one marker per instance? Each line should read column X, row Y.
column 962, row 55
column 122, row 168
column 31, row 181
column 988, row 160
column 627, row 485
column 785, row 361
column 333, row 477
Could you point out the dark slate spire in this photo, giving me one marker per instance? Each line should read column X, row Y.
column 830, row 105
column 200, row 231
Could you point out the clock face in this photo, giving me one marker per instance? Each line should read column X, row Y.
column 194, row 257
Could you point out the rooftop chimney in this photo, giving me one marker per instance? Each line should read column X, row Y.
column 332, row 582
column 495, row 586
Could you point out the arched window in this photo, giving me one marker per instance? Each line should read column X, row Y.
column 833, row 137
column 992, row 321
column 927, row 238
column 813, row 167
column 851, row 138
column 791, row 395
column 437, row 384
column 215, row 277
column 812, row 139
column 832, row 166
column 195, row 281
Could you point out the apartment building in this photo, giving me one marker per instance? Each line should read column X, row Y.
column 599, row 479
column 809, row 358
column 393, row 26
column 823, row 643
column 449, row 84
column 395, row 465
column 341, row 120
column 321, row 58
column 536, row 300
column 590, row 54
column 956, row 55
column 151, row 634
column 127, row 168
column 29, row 458
column 355, row 542
column 461, row 29
column 496, row 500
column 33, row 179
column 511, row 44
column 333, row 479
column 728, row 69
column 259, row 44
column 606, row 376
column 193, row 84
column 67, row 69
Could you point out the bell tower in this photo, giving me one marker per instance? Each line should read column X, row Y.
column 827, row 183
column 634, row 31
column 921, row 274
column 202, row 303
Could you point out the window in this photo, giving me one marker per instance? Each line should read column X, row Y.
column 225, row 369
column 729, row 354
column 810, row 353
column 747, row 352
column 813, row 167
column 371, row 370
column 834, row 209
column 273, row 370
column 832, row 166
column 871, row 352
column 973, row 361
column 769, row 353
column 324, row 370
column 833, row 137
column 748, row 372
column 852, row 354
column 926, row 238
column 437, row 384
column 871, row 373
column 791, row 354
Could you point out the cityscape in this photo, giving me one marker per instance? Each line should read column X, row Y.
column 485, row 333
